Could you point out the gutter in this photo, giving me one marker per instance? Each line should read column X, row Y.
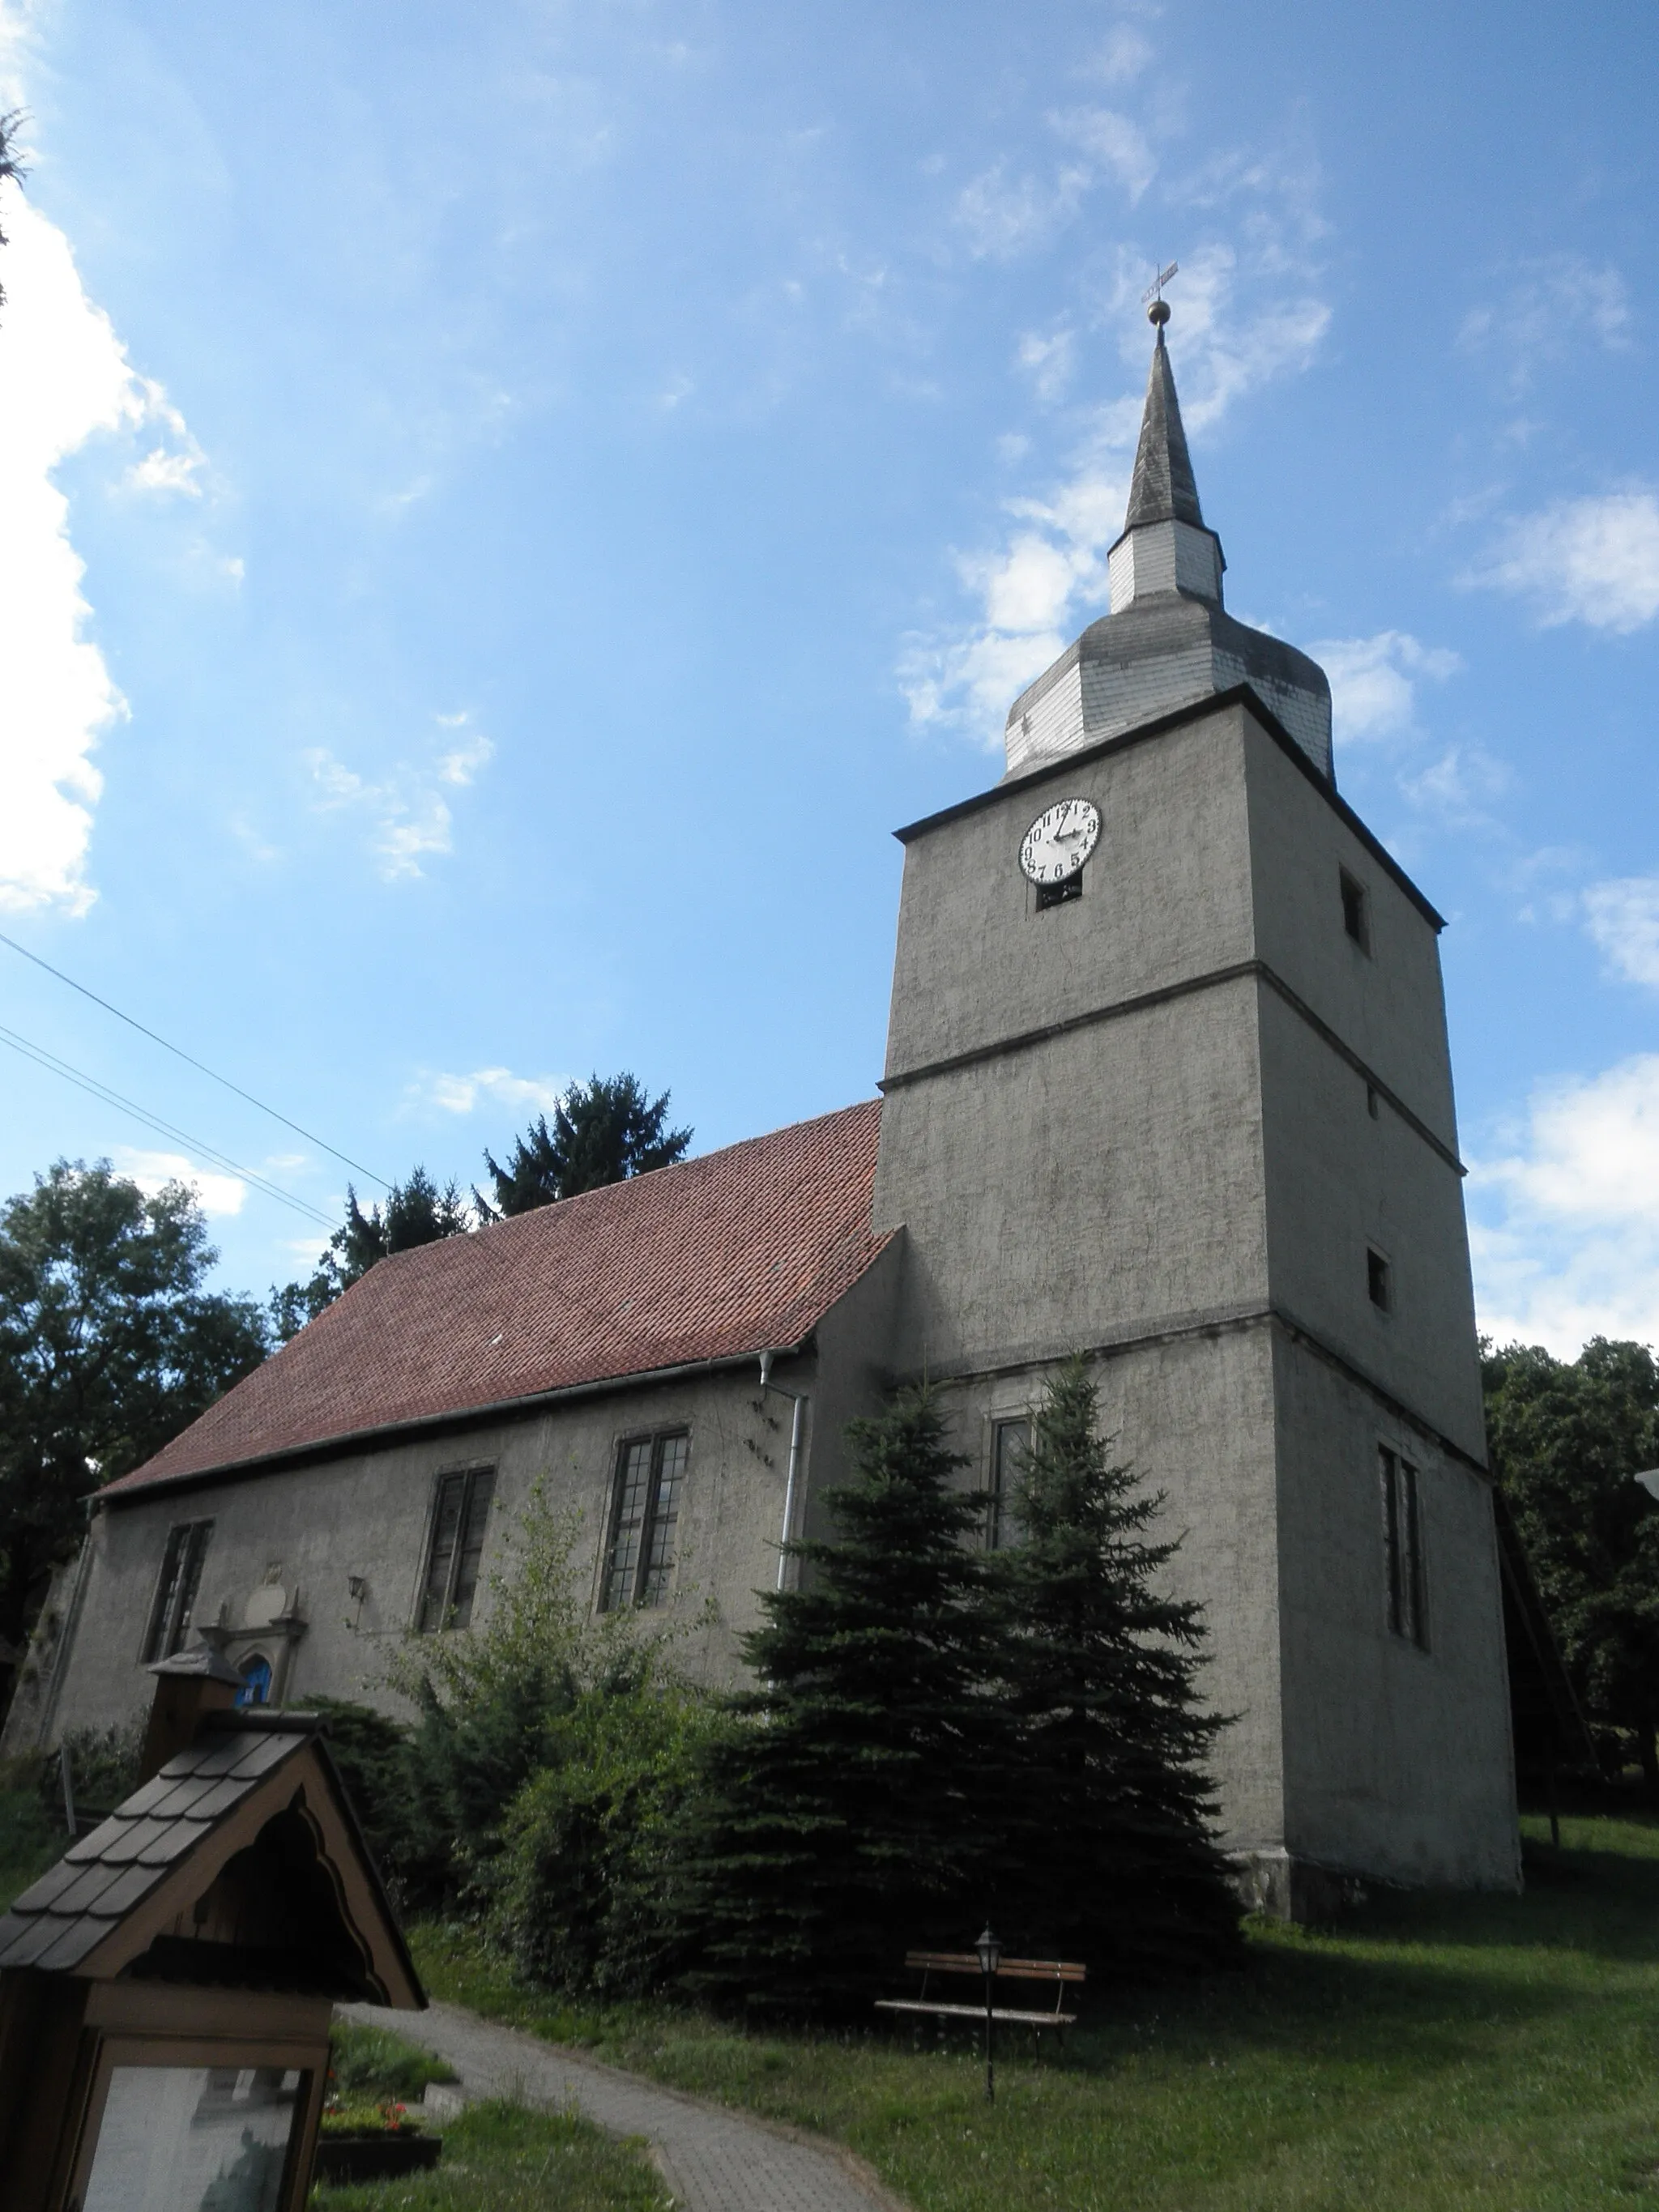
column 797, row 1426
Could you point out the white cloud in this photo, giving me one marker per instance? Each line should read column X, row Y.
column 64, row 376
column 1622, row 917
column 1123, row 55
column 495, row 1087
column 1456, row 790
column 162, row 471
column 1594, row 560
column 219, row 1194
column 411, row 816
column 1050, row 360
column 1374, row 680
column 1004, row 216
column 1546, row 313
column 1566, row 1235
column 64, row 379
column 1111, row 141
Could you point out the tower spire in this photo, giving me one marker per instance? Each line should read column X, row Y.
column 1166, row 545
column 1163, row 488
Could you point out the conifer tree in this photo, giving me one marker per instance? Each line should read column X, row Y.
column 603, row 1131
column 416, row 1213
column 842, row 1814
column 1110, row 1853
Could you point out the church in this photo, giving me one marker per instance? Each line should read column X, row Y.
column 1167, row 1084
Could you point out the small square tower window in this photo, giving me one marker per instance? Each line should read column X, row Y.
column 1379, row 1280
column 1057, row 894
column 1356, row 911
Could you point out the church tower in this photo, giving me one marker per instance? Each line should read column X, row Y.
column 1168, row 1082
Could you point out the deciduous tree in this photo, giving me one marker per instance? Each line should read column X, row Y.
column 110, row 1343
column 1566, row 1436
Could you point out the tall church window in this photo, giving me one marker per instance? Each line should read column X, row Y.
column 645, row 1512
column 1403, row 1536
column 460, row 1518
column 1010, row 1442
column 1379, row 1280
column 174, row 1601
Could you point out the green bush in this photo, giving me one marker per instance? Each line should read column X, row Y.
column 29, row 1842
column 547, row 1749
column 103, row 1764
column 371, row 1750
column 369, row 2065
column 584, row 1893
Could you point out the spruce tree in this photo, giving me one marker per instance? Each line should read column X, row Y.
column 842, row 1814
column 603, row 1131
column 1111, row 1857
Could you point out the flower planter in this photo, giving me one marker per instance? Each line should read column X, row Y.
column 379, row 2154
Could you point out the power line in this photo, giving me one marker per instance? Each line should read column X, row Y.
column 190, row 1062
column 42, row 1058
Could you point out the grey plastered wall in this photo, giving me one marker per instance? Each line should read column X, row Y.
column 309, row 1527
column 1397, row 1759
column 1088, row 1183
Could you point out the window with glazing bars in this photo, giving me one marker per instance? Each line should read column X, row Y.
column 460, row 1517
column 1010, row 1442
column 1403, row 1536
column 175, row 1592
column 650, row 1476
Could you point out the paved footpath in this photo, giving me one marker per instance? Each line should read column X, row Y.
column 714, row 2160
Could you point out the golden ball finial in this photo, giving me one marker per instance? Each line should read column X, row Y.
column 1158, row 313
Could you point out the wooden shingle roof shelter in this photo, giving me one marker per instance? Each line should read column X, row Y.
column 165, row 1989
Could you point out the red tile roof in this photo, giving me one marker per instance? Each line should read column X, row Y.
column 741, row 1251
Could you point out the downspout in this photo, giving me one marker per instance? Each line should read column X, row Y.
column 797, row 1429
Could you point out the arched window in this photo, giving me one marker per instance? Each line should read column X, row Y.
column 255, row 1671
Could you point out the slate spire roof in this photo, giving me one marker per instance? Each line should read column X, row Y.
column 737, row 1252
column 1163, row 488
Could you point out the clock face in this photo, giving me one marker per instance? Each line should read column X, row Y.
column 1058, row 843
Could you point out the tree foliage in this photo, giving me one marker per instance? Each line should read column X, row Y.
column 603, row 1131
column 415, row 1213
column 847, row 1815
column 12, row 167
column 542, row 1778
column 109, row 1346
column 940, row 1732
column 1566, row 1436
column 1110, row 1857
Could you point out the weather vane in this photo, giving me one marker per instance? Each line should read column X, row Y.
column 1158, row 311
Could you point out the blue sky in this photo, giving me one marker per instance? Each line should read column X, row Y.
column 508, row 506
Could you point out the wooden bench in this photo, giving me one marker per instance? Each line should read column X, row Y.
column 1066, row 1976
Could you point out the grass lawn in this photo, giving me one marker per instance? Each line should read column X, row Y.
column 500, row 2158
column 1493, row 2052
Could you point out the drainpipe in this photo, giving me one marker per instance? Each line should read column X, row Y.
column 797, row 1429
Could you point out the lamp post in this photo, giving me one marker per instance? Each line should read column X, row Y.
column 990, row 1957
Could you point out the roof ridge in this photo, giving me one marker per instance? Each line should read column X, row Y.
column 649, row 1175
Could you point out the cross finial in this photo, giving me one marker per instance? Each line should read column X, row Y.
column 1157, row 312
